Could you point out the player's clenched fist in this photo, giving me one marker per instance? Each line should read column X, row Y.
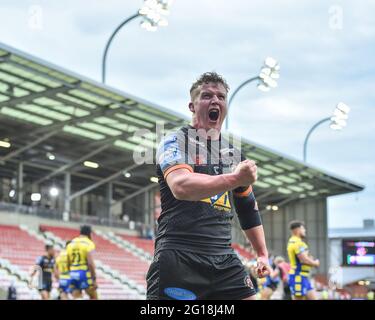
column 246, row 172
column 263, row 268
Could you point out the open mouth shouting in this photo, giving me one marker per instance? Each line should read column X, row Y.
column 214, row 114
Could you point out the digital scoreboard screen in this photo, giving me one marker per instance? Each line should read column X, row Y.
column 358, row 252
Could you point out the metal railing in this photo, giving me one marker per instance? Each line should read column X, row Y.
column 53, row 214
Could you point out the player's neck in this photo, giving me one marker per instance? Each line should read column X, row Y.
column 205, row 133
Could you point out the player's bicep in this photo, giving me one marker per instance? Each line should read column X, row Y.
column 175, row 177
column 300, row 248
column 173, row 160
column 302, row 256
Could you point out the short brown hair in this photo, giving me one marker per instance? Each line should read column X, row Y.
column 208, row 77
column 296, row 224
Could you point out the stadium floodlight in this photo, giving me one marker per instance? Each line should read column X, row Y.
column 272, row 207
column 91, row 164
column 153, row 14
column 50, row 156
column 340, row 115
column 154, row 179
column 337, row 122
column 149, row 25
column 36, row 197
column 5, row 144
column 127, row 174
column 268, row 74
column 54, row 192
column 270, row 62
column 263, row 87
column 267, row 77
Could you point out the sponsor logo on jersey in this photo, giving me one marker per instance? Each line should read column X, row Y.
column 220, row 201
column 171, row 152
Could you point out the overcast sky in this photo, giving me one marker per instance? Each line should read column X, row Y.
column 325, row 50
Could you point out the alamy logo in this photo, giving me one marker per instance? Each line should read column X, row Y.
column 159, row 147
column 36, row 281
column 35, row 17
column 335, row 278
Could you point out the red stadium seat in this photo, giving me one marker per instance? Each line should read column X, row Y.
column 109, row 253
column 22, row 249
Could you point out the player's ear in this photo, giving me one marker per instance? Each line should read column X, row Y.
column 191, row 107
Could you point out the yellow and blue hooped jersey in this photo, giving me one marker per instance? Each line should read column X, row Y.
column 77, row 252
column 62, row 264
column 295, row 247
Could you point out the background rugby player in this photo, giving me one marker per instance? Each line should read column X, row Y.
column 81, row 264
column 62, row 273
column 46, row 265
column 301, row 263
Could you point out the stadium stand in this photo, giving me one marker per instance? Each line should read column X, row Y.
column 145, row 244
column 18, row 258
column 244, row 253
column 122, row 260
column 109, row 253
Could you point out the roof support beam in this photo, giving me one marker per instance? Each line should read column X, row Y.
column 42, row 74
column 80, row 175
column 5, row 57
column 265, row 194
column 33, row 96
column 101, row 182
column 29, row 146
column 73, row 163
column 335, row 181
column 134, row 194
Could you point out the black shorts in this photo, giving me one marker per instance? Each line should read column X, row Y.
column 184, row 275
column 46, row 286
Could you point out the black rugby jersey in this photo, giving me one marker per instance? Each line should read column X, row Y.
column 47, row 265
column 200, row 226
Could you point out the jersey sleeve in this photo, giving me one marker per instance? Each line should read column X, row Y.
column 39, row 261
column 172, row 154
column 91, row 247
column 300, row 247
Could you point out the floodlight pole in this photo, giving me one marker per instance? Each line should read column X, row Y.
column 104, row 59
column 309, row 133
column 234, row 94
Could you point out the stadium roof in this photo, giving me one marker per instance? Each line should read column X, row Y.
column 351, row 232
column 46, row 110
